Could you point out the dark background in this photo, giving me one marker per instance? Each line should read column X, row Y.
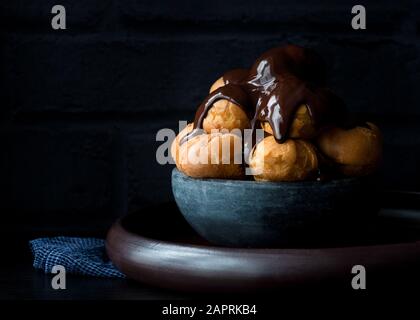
column 80, row 107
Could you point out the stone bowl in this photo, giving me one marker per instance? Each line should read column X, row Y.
column 240, row 213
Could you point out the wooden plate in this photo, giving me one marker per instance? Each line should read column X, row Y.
column 156, row 246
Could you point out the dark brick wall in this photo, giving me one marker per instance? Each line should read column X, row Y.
column 80, row 108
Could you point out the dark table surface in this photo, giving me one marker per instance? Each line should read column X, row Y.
column 25, row 283
column 20, row 281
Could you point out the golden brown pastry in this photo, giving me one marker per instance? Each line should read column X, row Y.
column 217, row 155
column 292, row 160
column 302, row 126
column 357, row 151
column 225, row 114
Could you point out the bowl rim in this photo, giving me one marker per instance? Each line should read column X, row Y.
column 238, row 182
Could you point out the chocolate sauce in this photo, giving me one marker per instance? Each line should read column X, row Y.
column 236, row 76
column 278, row 83
column 285, row 78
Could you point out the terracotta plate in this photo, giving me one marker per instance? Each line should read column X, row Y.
column 156, row 246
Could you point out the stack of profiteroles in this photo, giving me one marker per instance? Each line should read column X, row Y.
column 307, row 133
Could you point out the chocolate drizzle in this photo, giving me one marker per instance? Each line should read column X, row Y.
column 280, row 81
column 236, row 76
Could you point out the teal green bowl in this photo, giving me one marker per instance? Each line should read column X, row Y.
column 265, row 214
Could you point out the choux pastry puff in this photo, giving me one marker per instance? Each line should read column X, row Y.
column 357, row 151
column 225, row 114
column 292, row 160
column 302, row 126
column 214, row 155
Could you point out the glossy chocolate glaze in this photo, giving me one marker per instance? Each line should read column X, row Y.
column 280, row 81
column 236, row 76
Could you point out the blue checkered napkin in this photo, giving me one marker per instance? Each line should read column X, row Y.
column 85, row 256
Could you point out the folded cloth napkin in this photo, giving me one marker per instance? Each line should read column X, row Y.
column 85, row 256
